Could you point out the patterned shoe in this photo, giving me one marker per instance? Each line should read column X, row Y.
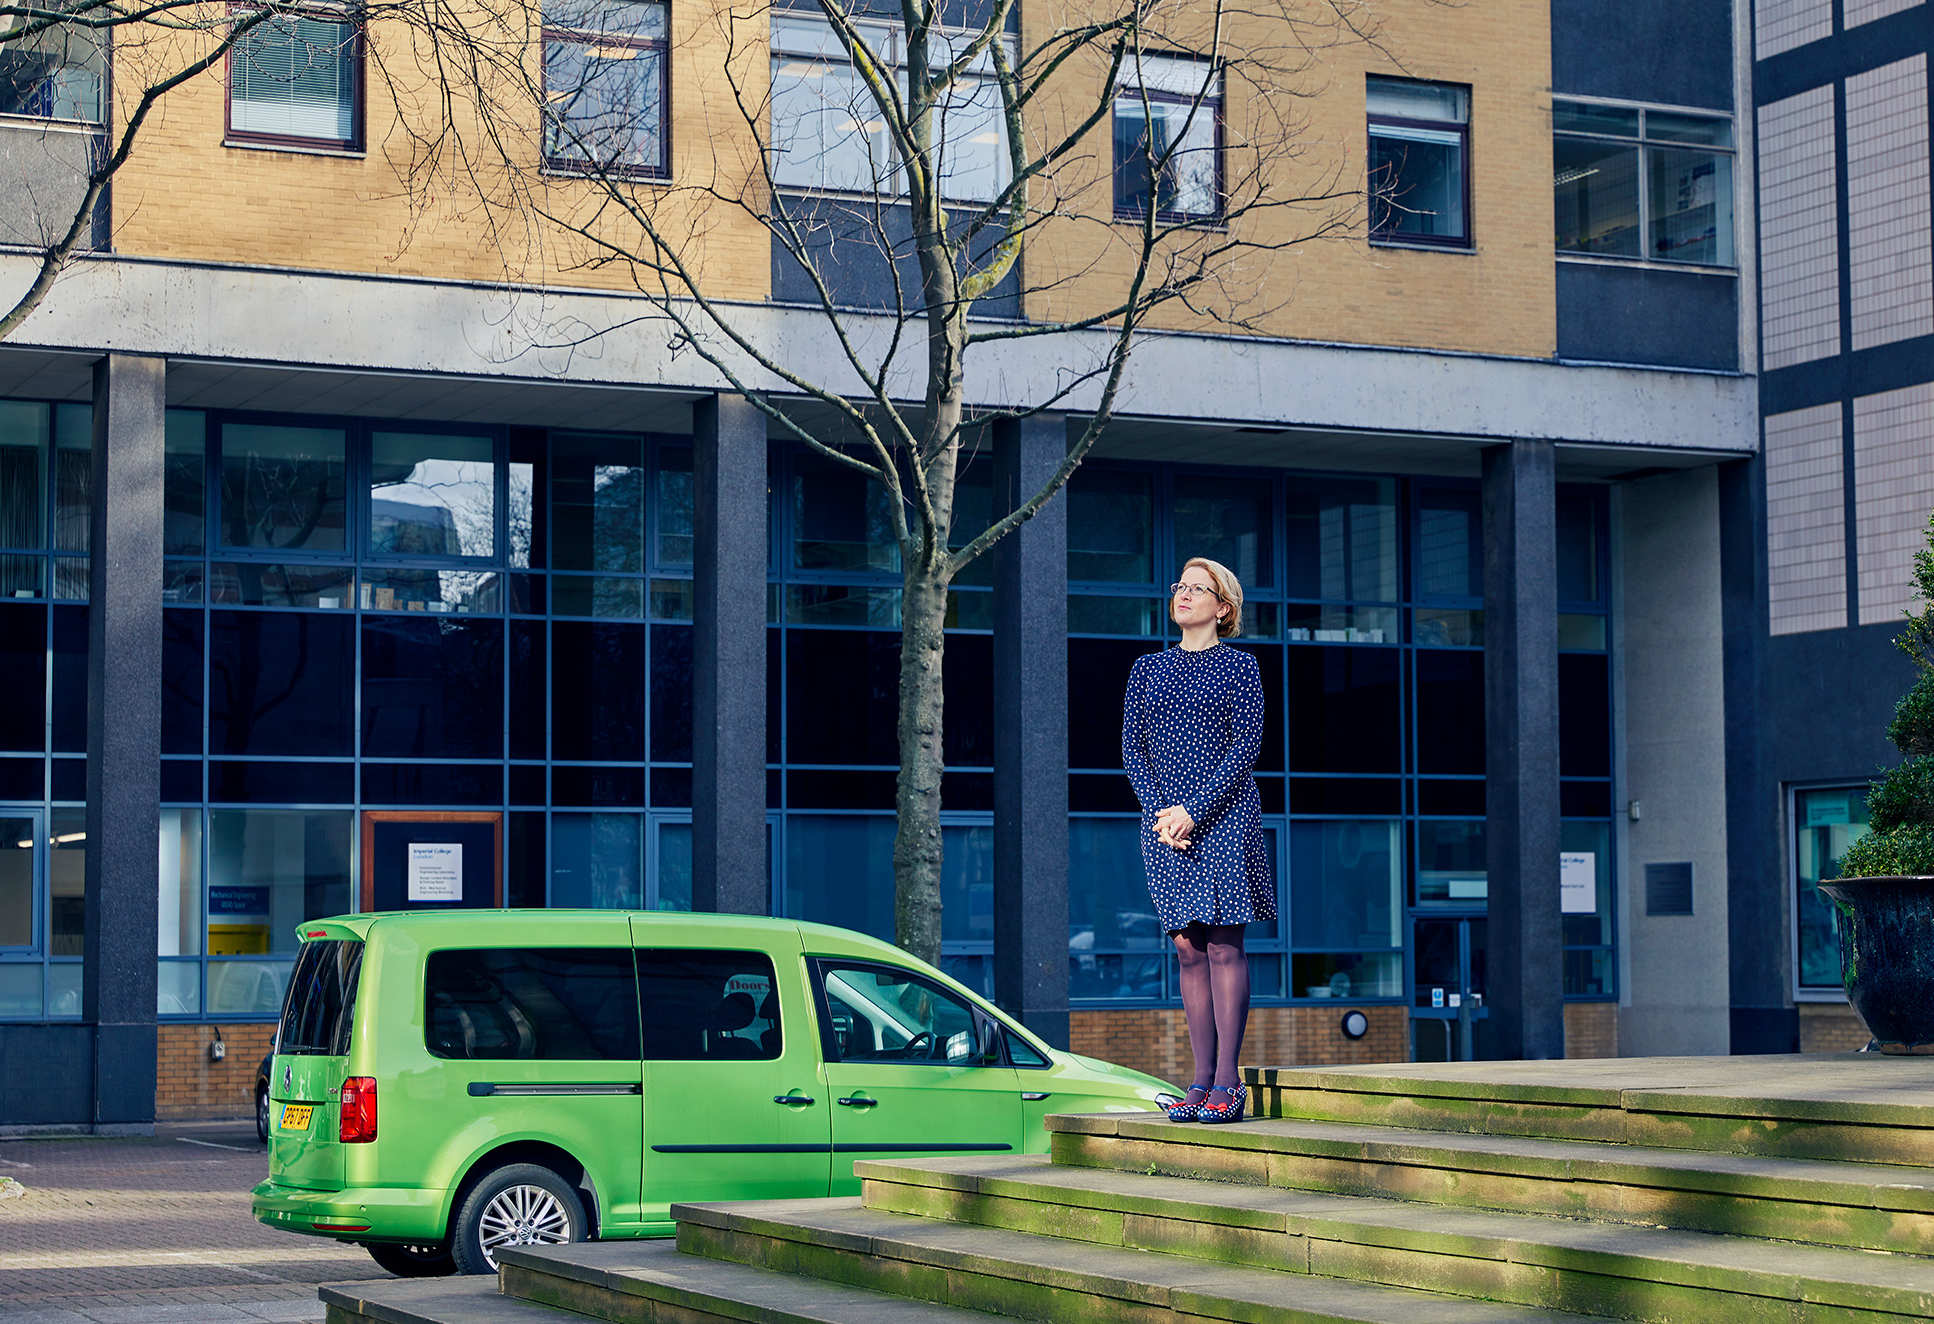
column 1186, row 1111
column 1232, row 1112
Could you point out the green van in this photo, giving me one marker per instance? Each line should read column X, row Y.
column 448, row 1083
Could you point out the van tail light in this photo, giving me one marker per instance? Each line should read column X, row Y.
column 358, row 1110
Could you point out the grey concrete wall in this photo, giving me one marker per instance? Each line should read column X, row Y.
column 44, row 172
column 1675, row 993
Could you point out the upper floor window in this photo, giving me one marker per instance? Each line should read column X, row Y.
column 607, row 101
column 1168, row 139
column 1419, row 162
column 829, row 135
column 296, row 80
column 56, row 74
column 1639, row 183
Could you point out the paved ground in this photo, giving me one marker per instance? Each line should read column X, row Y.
column 128, row 1231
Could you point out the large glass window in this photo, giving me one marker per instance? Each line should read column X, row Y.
column 281, row 683
column 431, row 495
column 1420, row 146
column 1168, row 138
column 607, row 100
column 1634, row 182
column 828, row 134
column 295, row 79
column 598, row 861
column 1826, row 821
column 283, row 488
column 268, row 870
column 56, row 74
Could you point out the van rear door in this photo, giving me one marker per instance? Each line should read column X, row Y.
column 312, row 1056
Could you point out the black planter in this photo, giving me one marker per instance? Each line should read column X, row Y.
column 1887, row 956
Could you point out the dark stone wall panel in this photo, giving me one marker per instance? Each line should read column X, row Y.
column 1676, row 319
column 1643, row 50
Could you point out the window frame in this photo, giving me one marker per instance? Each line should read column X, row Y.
column 1463, row 243
column 1644, row 145
column 358, row 120
column 584, row 167
column 1129, row 85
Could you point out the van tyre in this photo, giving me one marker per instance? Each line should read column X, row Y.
column 521, row 1204
column 412, row 1261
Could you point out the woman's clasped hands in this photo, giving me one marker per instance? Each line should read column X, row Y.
column 1173, row 825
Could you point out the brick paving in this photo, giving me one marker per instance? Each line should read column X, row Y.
column 139, row 1229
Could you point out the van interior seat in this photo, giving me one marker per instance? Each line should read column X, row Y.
column 735, row 1012
column 769, row 1041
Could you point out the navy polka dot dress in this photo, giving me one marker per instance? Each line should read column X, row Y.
column 1190, row 730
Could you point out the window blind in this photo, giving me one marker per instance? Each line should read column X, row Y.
column 293, row 76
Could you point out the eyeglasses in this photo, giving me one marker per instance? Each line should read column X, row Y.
column 1192, row 591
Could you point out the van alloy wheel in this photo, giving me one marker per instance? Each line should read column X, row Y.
column 521, row 1204
column 522, row 1216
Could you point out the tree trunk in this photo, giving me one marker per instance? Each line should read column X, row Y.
column 916, row 844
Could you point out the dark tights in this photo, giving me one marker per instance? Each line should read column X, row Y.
column 1215, row 998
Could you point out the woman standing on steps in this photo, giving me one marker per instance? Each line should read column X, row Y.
column 1191, row 728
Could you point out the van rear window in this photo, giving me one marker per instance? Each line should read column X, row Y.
column 321, row 1005
column 546, row 1003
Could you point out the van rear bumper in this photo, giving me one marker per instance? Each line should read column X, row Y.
column 355, row 1213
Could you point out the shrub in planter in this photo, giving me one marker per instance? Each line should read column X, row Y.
column 1885, row 892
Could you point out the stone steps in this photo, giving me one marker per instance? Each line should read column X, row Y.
column 1864, row 1206
column 1024, row 1275
column 1527, row 1259
column 1851, row 1107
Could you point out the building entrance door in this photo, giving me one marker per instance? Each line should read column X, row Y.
column 432, row 860
column 1448, row 1019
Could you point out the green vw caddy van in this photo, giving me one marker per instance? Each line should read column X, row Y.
column 448, row 1083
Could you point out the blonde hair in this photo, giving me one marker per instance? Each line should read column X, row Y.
column 1230, row 589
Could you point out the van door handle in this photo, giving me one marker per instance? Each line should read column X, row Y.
column 792, row 1098
column 859, row 1101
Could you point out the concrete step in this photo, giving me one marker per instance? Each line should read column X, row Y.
column 1853, row 1107
column 460, row 1300
column 654, row 1280
column 1867, row 1206
column 1033, row 1277
column 1526, row 1259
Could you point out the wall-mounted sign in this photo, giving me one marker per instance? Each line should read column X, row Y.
column 436, row 871
column 1578, row 882
column 1825, row 809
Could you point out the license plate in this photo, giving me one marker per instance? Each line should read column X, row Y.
column 295, row 1116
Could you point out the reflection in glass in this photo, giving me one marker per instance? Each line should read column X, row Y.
column 183, row 483
column 967, row 884
column 432, row 689
column 22, row 576
column 1227, row 520
column 1447, row 627
column 1825, row 823
column 70, row 578
column 672, row 888
column 842, row 604
column 597, row 861
column 181, row 581
column 1109, row 911
column 268, row 871
column 431, row 495
column 66, row 881
column 672, row 508
column 1691, row 194
column 1089, row 614
column 1450, row 543
column 283, row 487
column 23, row 494
column 255, row 584
column 177, row 988
column 281, row 683
column 1346, row 884
column 602, row 596
column 597, row 503
column 64, row 990
column 1111, row 527
column 839, row 870
column 180, row 930
column 73, row 476
column 1595, row 188
column 20, row 996
column 17, row 833
column 246, row 988
column 1584, row 633
column 1346, row 975
column 1341, row 535
column 1451, row 868
column 670, row 600
column 841, row 520
column 457, row 591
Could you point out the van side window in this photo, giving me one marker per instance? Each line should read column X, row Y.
column 708, row 1005
column 879, row 1013
column 544, row 1003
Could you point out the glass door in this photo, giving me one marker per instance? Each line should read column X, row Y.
column 1448, row 1018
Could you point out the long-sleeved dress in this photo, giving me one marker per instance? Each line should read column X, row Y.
column 1190, row 732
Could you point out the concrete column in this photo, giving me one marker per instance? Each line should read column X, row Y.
column 1526, row 971
column 1759, row 949
column 1031, row 734
column 124, row 738
column 729, row 657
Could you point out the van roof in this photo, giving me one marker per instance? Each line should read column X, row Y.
column 822, row 938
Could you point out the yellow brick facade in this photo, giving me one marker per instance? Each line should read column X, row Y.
column 415, row 204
